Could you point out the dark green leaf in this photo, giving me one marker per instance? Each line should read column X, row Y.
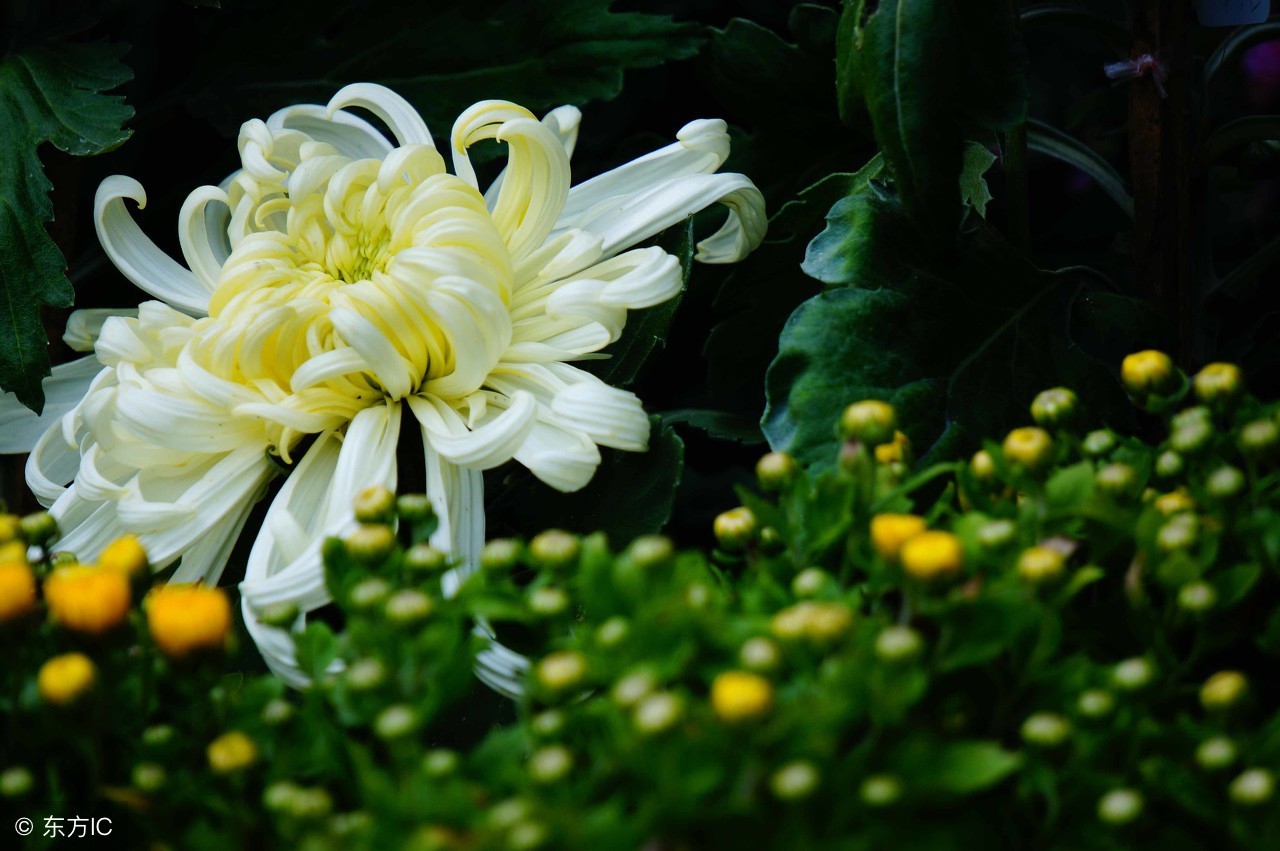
column 718, row 424
column 48, row 94
column 1054, row 143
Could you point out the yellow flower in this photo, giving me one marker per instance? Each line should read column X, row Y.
column 87, row 599
column 895, row 452
column 124, row 554
column 345, row 278
column 738, row 696
column 932, row 555
column 187, row 618
column 1146, row 372
column 13, row 551
column 63, row 679
column 1029, row 447
column 17, row 590
column 232, row 752
column 890, row 531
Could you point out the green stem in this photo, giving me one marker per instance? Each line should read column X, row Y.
column 1015, row 169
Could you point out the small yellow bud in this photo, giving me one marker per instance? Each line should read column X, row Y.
column 932, row 555
column 554, row 549
column 657, row 713
column 1175, row 502
column 184, row 619
column 550, row 764
column 1148, row 372
column 1218, row 382
column 15, row 550
column 736, row 528
column 1223, row 690
column 1030, row 447
column 795, row 780
column 776, row 471
column 371, row 542
column 890, row 531
column 124, row 554
column 87, row 599
column 17, row 590
column 64, row 679
column 564, row 669
column 376, row 504
column 232, row 752
column 10, row 528
column 897, row 451
column 983, row 466
column 740, row 697
column 820, row 623
column 1120, row 806
column 1253, row 787
column 1259, row 439
column 1055, row 408
column 871, row 422
column 1041, row 565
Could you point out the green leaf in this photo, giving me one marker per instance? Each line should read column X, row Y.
column 646, row 329
column 630, row 495
column 1052, row 142
column 317, row 647
column 1234, row 583
column 1237, row 41
column 973, row 186
column 719, row 424
column 956, row 768
column 890, row 58
column 51, row 93
column 441, row 56
column 1070, row 487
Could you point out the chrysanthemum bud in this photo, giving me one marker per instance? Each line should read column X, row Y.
column 88, row 600
column 10, row 529
column 983, row 466
column 15, row 782
column 932, row 555
column 759, row 654
column 776, row 471
column 548, row 723
column 1197, row 597
column 1218, row 383
column 1179, row 533
column 890, row 531
column 1056, row 408
column 126, row 555
column 736, row 528
column 277, row 711
column 1216, row 753
column 562, row 670
column 739, row 697
column 371, row 543
column 369, row 593
column 1041, row 565
column 425, row 558
column 148, row 777
column 1223, row 691
column 880, row 790
column 39, row 528
column 1174, row 502
column 896, row 645
column 414, row 508
column 997, row 534
column 1253, row 788
column 649, row 552
column 810, row 582
column 1133, row 674
column 795, row 780
column 365, row 674
column 896, row 451
column 554, row 549
column 440, row 762
column 231, row 752
column 1029, row 448
column 1259, row 440
column 186, row 619
column 1045, row 730
column 1098, row 443
column 396, row 721
column 157, row 735
column 1148, row 372
column 278, row 797
column 548, row 602
column 527, row 836
column 1118, row 480
column 819, row 623
column 1170, row 465
column 1095, row 703
column 612, row 632
column 409, row 606
column 17, row 591
column 870, row 422
column 1190, row 437
column 771, row 542
column 500, row 555
column 1120, row 806
column 550, row 764
column 1225, row 483
column 375, row 505
column 657, row 713
column 65, row 679
column 633, row 688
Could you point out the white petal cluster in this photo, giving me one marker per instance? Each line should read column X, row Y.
column 336, row 283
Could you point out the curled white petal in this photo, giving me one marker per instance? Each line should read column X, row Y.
column 401, row 119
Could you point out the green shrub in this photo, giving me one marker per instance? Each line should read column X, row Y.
column 1065, row 643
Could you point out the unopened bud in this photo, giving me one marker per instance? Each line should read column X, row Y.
column 1056, row 408
column 657, row 713
column 983, row 466
column 369, row 593
column 1041, row 565
column 1218, row 383
column 1169, row 465
column 148, row 777
column 1197, row 597
column 736, row 528
column 414, row 508
column 1120, row 806
column 371, row 543
column 612, row 632
column 1029, row 448
column 776, row 471
column 425, row 558
column 880, row 790
column 1149, row 372
column 795, row 780
column 550, row 764
column 1045, row 730
column 554, row 549
column 39, row 528
column 810, row 582
column 1259, row 440
column 1225, row 483
column 376, row 504
column 15, row 782
column 396, row 721
column 1223, row 691
column 562, row 670
column 1095, row 703
column 997, row 534
column 1133, row 674
column 1118, row 480
column 759, row 654
column 365, row 674
column 500, row 555
column 649, row 552
column 870, row 422
column 1216, row 753
column 1098, row 443
column 897, row 645
column 548, row 602
column 1253, row 788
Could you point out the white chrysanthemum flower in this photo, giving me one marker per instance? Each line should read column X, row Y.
column 335, row 280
